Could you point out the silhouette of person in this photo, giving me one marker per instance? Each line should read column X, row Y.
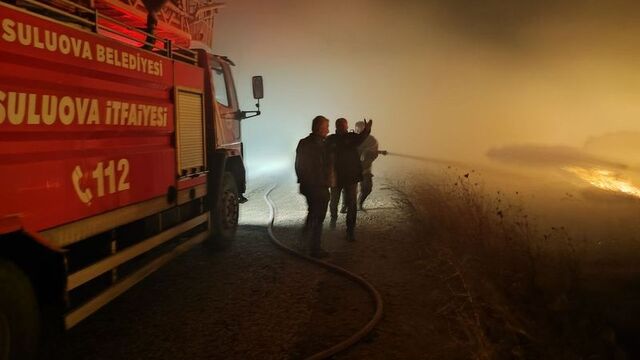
column 343, row 147
column 313, row 170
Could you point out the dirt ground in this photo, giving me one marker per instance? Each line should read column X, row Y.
column 253, row 301
column 392, row 253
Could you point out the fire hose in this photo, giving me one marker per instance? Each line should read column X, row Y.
column 377, row 299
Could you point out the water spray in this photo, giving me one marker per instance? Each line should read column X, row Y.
column 423, row 158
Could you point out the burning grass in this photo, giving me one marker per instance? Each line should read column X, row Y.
column 515, row 288
column 605, row 180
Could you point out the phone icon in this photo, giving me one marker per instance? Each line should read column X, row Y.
column 84, row 195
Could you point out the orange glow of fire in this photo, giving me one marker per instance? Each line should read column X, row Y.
column 605, row 180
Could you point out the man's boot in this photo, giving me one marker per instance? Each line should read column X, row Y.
column 302, row 243
column 360, row 203
column 307, row 226
column 351, row 235
column 319, row 253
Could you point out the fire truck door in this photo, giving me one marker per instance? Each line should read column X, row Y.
column 228, row 132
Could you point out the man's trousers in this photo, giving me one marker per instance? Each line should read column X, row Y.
column 350, row 198
column 317, row 200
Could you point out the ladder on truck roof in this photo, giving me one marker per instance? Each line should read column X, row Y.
column 179, row 20
column 123, row 27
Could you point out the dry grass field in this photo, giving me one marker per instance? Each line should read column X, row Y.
column 525, row 286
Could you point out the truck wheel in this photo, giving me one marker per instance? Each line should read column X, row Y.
column 225, row 215
column 19, row 318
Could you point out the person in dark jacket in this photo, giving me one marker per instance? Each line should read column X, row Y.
column 313, row 171
column 343, row 147
column 368, row 151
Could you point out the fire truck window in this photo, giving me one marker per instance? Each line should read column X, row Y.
column 220, row 86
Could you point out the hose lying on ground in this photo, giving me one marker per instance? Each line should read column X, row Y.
column 345, row 344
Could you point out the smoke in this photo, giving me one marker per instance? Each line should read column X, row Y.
column 623, row 146
column 549, row 156
column 444, row 79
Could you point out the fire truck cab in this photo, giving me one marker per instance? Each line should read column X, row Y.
column 119, row 149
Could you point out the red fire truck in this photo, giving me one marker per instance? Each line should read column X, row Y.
column 119, row 149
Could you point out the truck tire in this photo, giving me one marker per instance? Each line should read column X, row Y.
column 19, row 317
column 225, row 214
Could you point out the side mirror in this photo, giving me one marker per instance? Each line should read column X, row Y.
column 258, row 93
column 258, row 90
